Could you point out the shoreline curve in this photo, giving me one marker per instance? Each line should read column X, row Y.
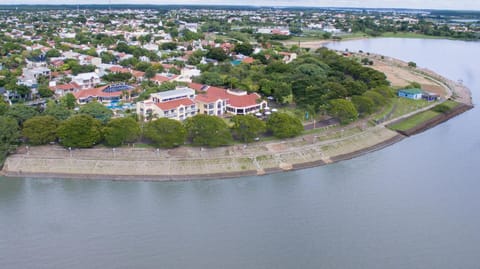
column 188, row 163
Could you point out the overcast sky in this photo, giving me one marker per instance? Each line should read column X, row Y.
column 426, row 4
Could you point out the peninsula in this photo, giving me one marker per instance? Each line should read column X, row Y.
column 167, row 94
column 327, row 145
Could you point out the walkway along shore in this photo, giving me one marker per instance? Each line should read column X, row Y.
column 188, row 163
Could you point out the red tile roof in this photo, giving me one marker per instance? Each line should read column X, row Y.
column 212, row 94
column 248, row 60
column 161, row 78
column 175, row 103
column 118, row 69
column 244, row 100
column 65, row 87
column 138, row 74
column 96, row 92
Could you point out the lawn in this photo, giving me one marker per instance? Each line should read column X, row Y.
column 400, row 106
column 451, row 104
column 410, row 35
column 414, row 120
column 405, row 106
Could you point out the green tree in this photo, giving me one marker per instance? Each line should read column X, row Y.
column 40, row 130
column 21, row 113
column 412, row 64
column 150, row 73
column 169, row 46
column 120, row 131
column 217, row 54
column 165, row 133
column 363, row 104
column 53, row 53
column 343, row 110
column 247, row 127
column 282, row 125
column 57, row 111
column 68, row 101
column 79, row 131
column 377, row 98
column 97, row 110
column 107, row 57
column 211, row 78
column 244, row 48
column 9, row 134
column 206, row 130
column 44, row 91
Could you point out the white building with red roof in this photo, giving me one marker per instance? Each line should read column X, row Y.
column 164, row 77
column 63, row 89
column 176, row 104
column 218, row 101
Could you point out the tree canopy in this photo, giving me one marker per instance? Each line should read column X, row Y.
column 120, row 131
column 247, row 127
column 206, row 130
column 40, row 130
column 97, row 111
column 343, row 110
column 9, row 134
column 283, row 125
column 80, row 131
column 165, row 133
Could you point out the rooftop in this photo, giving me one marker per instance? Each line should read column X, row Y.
column 172, row 94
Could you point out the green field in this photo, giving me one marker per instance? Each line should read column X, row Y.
column 414, row 120
column 399, row 107
column 451, row 104
column 410, row 35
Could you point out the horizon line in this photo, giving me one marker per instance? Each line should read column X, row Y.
column 254, row 6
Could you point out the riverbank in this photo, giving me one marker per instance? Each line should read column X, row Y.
column 187, row 163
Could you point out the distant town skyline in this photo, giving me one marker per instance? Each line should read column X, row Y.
column 412, row 4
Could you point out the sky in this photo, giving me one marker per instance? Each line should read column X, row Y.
column 414, row 4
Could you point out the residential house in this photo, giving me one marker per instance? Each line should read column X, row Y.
column 176, row 104
column 288, row 57
column 104, row 94
column 164, row 77
column 217, row 101
column 30, row 76
column 87, row 80
column 63, row 89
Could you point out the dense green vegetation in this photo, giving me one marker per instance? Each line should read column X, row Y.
column 313, row 80
column 314, row 85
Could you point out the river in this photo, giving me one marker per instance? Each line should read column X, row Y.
column 411, row 205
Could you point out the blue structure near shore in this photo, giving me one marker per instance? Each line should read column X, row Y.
column 415, row 94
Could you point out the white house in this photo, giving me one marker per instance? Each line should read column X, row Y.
column 176, row 104
column 86, row 80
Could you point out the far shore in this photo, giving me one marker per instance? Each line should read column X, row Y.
column 188, row 163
